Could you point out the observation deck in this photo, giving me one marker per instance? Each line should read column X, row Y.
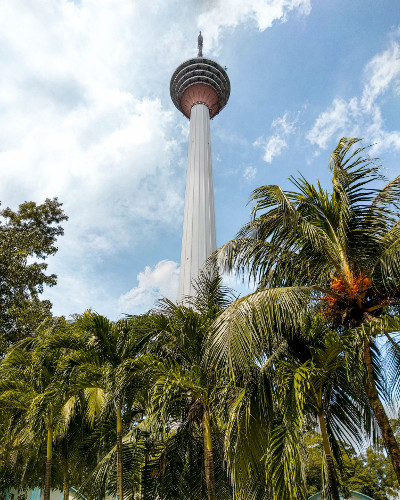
column 200, row 80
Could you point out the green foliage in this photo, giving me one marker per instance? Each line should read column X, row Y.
column 335, row 252
column 104, row 363
column 186, row 388
column 342, row 246
column 33, row 403
column 369, row 472
column 27, row 237
column 213, row 398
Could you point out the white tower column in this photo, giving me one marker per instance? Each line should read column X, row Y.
column 198, row 238
column 200, row 89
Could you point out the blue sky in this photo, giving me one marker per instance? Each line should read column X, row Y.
column 86, row 116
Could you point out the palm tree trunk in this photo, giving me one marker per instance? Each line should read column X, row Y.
column 330, row 466
column 65, row 483
column 49, row 458
column 64, row 461
column 380, row 414
column 208, row 456
column 43, row 478
column 144, row 472
column 120, row 491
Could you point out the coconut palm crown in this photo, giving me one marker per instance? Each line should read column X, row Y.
column 337, row 250
column 345, row 244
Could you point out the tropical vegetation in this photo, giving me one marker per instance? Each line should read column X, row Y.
column 279, row 394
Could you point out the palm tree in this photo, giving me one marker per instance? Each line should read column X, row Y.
column 30, row 391
column 303, row 378
column 21, row 451
column 320, row 388
column 253, row 420
column 70, row 461
column 103, row 362
column 186, row 390
column 339, row 250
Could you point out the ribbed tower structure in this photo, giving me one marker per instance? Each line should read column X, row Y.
column 199, row 88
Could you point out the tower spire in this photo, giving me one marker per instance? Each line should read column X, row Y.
column 200, row 45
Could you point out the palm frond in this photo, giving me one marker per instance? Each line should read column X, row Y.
column 252, row 326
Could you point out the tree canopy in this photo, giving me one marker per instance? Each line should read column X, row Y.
column 27, row 237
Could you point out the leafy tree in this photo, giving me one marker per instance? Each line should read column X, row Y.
column 339, row 250
column 27, row 237
column 370, row 472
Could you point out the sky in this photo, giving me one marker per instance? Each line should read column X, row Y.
column 86, row 116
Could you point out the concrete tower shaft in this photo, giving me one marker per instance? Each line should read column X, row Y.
column 198, row 237
column 200, row 89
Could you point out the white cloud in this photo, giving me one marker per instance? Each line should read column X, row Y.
column 153, row 284
column 263, row 13
column 284, row 125
column 79, row 128
column 274, row 144
column 328, row 123
column 80, row 120
column 86, row 116
column 361, row 116
column 249, row 173
column 382, row 140
column 380, row 72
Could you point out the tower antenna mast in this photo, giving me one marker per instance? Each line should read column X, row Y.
column 200, row 45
